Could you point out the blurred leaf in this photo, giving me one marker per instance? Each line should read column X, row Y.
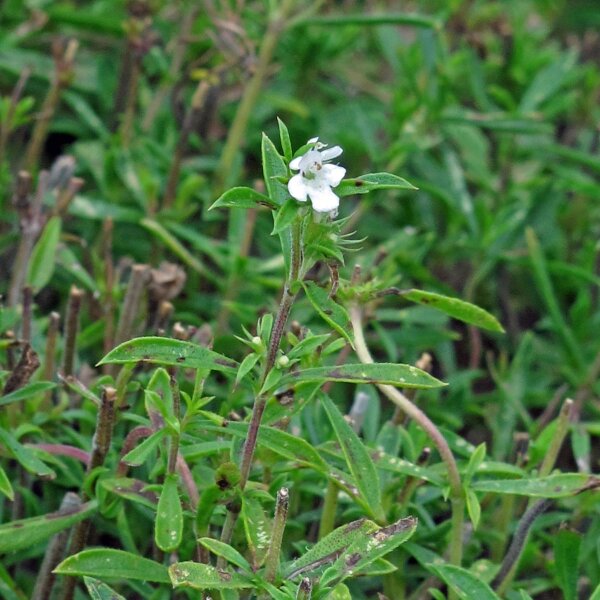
column 567, row 545
column 464, row 583
column 414, row 20
column 168, row 528
column 5, row 485
column 29, row 390
column 115, row 564
column 29, row 532
column 284, row 137
column 142, row 451
column 43, row 256
column 25, row 456
column 453, row 307
column 357, row 458
column 164, row 351
column 473, row 507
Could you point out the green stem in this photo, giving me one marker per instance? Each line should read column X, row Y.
column 329, row 509
column 457, row 499
column 273, row 555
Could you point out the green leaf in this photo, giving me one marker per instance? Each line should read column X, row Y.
column 285, row 444
column 473, row 507
column 404, row 376
column 116, row 564
column 464, row 583
column 458, row 309
column 414, row 20
column 475, row 462
column 284, row 137
column 553, row 486
column 226, row 551
column 243, row 197
column 367, row 549
column 201, row 577
column 25, row 456
column 165, row 351
column 43, row 256
column 141, row 452
column 329, row 310
column 273, row 168
column 328, row 549
column 357, row 458
column 285, row 216
column 567, row 545
column 168, row 528
column 101, row 591
column 29, row 532
column 372, row 181
column 596, row 594
column 258, row 528
column 131, row 489
column 27, row 391
column 5, row 485
column 246, row 366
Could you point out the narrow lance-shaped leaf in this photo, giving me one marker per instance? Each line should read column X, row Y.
column 405, row 376
column 329, row 310
column 100, row 591
column 27, row 391
column 5, row 485
column 367, row 549
column 42, row 263
column 567, row 545
column 29, row 532
column 464, row 583
column 25, row 456
column 357, row 458
column 142, row 451
column 164, row 351
column 553, row 486
column 243, row 197
column 327, row 550
column 116, row 564
column 203, row 577
column 370, row 182
column 168, row 528
column 226, row 551
column 458, row 309
column 274, row 167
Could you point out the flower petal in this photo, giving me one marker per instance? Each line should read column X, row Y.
column 313, row 140
column 297, row 188
column 323, row 199
column 331, row 153
column 295, row 163
column 332, row 174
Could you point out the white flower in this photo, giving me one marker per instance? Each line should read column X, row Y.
column 316, row 178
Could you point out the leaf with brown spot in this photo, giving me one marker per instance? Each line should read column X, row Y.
column 29, row 532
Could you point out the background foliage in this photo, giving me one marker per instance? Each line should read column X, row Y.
column 489, row 108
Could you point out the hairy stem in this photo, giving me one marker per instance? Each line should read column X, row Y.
column 511, row 560
column 273, row 555
column 399, row 399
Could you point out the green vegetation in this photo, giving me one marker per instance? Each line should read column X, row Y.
column 215, row 383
